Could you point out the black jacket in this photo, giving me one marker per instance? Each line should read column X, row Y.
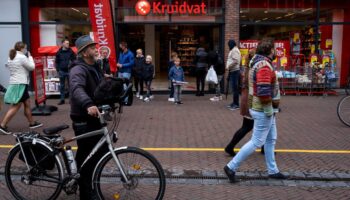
column 147, row 72
column 104, row 65
column 83, row 80
column 64, row 58
column 201, row 58
column 216, row 60
column 137, row 69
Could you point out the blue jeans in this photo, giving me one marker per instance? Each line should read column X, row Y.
column 127, row 76
column 63, row 76
column 264, row 132
column 234, row 81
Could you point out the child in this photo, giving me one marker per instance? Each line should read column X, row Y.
column 148, row 75
column 176, row 75
column 171, row 86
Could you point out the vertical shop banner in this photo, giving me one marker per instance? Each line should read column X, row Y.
column 103, row 28
column 39, row 84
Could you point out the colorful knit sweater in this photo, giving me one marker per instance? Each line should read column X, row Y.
column 263, row 85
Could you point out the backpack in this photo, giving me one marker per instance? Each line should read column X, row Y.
column 109, row 91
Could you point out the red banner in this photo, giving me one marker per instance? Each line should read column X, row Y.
column 39, row 84
column 103, row 28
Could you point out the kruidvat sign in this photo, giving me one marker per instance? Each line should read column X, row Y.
column 143, row 7
column 103, row 29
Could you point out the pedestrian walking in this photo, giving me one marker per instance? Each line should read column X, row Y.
column 171, row 85
column 263, row 97
column 137, row 73
column 64, row 57
column 233, row 68
column 177, row 77
column 215, row 60
column 126, row 62
column 248, row 121
column 85, row 76
column 201, row 70
column 148, row 75
column 20, row 63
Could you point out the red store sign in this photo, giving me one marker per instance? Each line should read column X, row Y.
column 143, row 7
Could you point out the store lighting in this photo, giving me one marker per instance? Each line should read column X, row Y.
column 278, row 17
column 241, row 11
column 243, row 16
column 265, row 18
column 306, row 10
column 289, row 14
column 258, row 21
column 76, row 10
column 266, row 11
column 85, row 14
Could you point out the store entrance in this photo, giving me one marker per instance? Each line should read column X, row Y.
column 160, row 41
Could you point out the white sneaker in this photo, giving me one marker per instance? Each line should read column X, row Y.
column 141, row 97
column 214, row 99
column 171, row 99
column 137, row 94
column 146, row 99
column 151, row 97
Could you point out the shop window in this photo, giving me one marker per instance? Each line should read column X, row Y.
column 278, row 10
column 334, row 11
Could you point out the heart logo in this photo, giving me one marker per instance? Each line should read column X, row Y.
column 143, row 7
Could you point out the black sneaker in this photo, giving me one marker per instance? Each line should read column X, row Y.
column 230, row 174
column 35, row 125
column 180, row 102
column 230, row 151
column 4, row 130
column 278, row 175
column 61, row 102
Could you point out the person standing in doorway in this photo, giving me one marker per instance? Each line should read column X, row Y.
column 85, row 75
column 64, row 57
column 201, row 70
column 177, row 77
column 233, row 68
column 126, row 62
column 171, row 85
column 215, row 60
column 103, row 61
column 20, row 63
column 147, row 76
column 137, row 73
column 263, row 97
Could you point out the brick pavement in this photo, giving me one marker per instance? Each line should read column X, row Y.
column 304, row 123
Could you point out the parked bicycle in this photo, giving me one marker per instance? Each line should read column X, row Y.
column 343, row 110
column 34, row 167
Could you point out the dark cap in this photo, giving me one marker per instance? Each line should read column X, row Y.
column 83, row 41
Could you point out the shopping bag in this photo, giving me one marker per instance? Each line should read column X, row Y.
column 211, row 76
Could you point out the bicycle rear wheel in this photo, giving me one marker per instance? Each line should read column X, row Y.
column 343, row 110
column 147, row 179
column 38, row 182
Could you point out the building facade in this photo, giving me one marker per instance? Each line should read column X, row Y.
column 306, row 29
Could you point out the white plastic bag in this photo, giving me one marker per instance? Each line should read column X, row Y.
column 211, row 76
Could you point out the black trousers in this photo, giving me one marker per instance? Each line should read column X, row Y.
column 200, row 79
column 138, row 82
column 247, row 126
column 85, row 146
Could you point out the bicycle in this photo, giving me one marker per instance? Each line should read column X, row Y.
column 34, row 168
column 343, row 110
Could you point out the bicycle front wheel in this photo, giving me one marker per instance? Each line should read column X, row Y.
column 43, row 179
column 145, row 174
column 343, row 110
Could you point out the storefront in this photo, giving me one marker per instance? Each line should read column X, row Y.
column 305, row 29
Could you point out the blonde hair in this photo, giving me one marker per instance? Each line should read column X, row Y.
column 139, row 50
column 173, row 55
column 149, row 57
column 177, row 59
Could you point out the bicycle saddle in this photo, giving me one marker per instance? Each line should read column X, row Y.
column 55, row 129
